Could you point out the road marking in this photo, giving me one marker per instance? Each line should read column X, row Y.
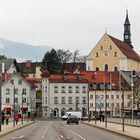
column 19, row 137
column 74, row 133
column 44, row 133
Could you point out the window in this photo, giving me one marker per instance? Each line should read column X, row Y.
column 115, row 68
column 70, row 89
column 63, row 100
column 106, row 53
column 19, row 81
column 84, row 89
column 63, row 89
column 115, row 54
column 106, row 67
column 97, row 69
column 55, row 89
column 112, row 104
column 84, row 100
column 12, row 81
column 55, row 100
column 112, row 96
column 96, row 54
column 7, row 91
column 16, row 91
column 77, row 89
column 70, row 100
column 128, row 96
column 101, row 47
column 77, row 100
column 107, row 96
column 117, row 104
column 7, row 100
column 24, row 100
column 107, row 104
column 24, row 91
column 117, row 96
column 110, row 47
column 91, row 104
column 16, row 100
column 91, row 96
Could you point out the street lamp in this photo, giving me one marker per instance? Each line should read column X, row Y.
column 105, row 104
column 0, row 99
column 14, row 108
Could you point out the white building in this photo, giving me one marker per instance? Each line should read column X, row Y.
column 15, row 86
column 61, row 93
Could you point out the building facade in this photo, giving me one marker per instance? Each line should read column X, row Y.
column 112, row 54
column 62, row 93
column 15, row 89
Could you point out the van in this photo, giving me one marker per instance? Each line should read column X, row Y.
column 75, row 113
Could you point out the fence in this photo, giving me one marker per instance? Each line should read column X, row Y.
column 127, row 121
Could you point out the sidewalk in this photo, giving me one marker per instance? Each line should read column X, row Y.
column 129, row 131
column 9, row 128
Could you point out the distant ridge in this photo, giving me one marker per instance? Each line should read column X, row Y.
column 21, row 51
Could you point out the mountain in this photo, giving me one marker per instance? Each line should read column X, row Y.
column 21, row 51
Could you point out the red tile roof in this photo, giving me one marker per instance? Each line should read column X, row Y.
column 68, row 78
column 125, row 49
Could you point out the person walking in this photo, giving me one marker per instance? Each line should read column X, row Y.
column 7, row 116
column 2, row 119
column 16, row 119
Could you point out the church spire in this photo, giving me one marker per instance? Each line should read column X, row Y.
column 127, row 32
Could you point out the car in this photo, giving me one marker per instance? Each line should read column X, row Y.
column 84, row 118
column 73, row 119
column 87, row 118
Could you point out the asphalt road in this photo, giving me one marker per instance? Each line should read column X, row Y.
column 59, row 130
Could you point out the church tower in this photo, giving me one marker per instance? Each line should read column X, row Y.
column 127, row 33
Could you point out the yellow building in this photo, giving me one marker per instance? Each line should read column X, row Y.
column 112, row 54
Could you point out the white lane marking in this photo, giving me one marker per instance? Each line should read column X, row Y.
column 44, row 133
column 19, row 137
column 74, row 133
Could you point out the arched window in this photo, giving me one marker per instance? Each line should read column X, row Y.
column 97, row 69
column 115, row 68
column 106, row 67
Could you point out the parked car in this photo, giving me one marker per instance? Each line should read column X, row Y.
column 73, row 119
column 87, row 118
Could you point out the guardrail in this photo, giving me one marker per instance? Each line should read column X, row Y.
column 127, row 121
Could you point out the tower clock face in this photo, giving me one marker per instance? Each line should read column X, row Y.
column 126, row 36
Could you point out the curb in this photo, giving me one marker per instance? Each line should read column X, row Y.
column 106, row 129
column 14, row 129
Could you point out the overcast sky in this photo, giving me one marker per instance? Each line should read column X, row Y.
column 68, row 24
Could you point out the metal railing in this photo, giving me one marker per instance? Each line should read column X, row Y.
column 127, row 121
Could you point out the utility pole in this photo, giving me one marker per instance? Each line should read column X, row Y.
column 95, row 107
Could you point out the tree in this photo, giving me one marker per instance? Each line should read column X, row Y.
column 64, row 57
column 51, row 62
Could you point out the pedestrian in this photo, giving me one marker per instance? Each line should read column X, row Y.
column 16, row 119
column 89, row 117
column 103, row 117
column 7, row 116
column 2, row 118
column 100, row 117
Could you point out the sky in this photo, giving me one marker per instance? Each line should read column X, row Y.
column 68, row 24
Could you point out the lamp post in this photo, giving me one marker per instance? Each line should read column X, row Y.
column 132, row 93
column 14, row 108
column 95, row 107
column 105, row 105
column 122, row 105
column 22, row 107
column 0, row 100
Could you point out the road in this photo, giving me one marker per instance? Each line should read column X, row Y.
column 59, row 130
